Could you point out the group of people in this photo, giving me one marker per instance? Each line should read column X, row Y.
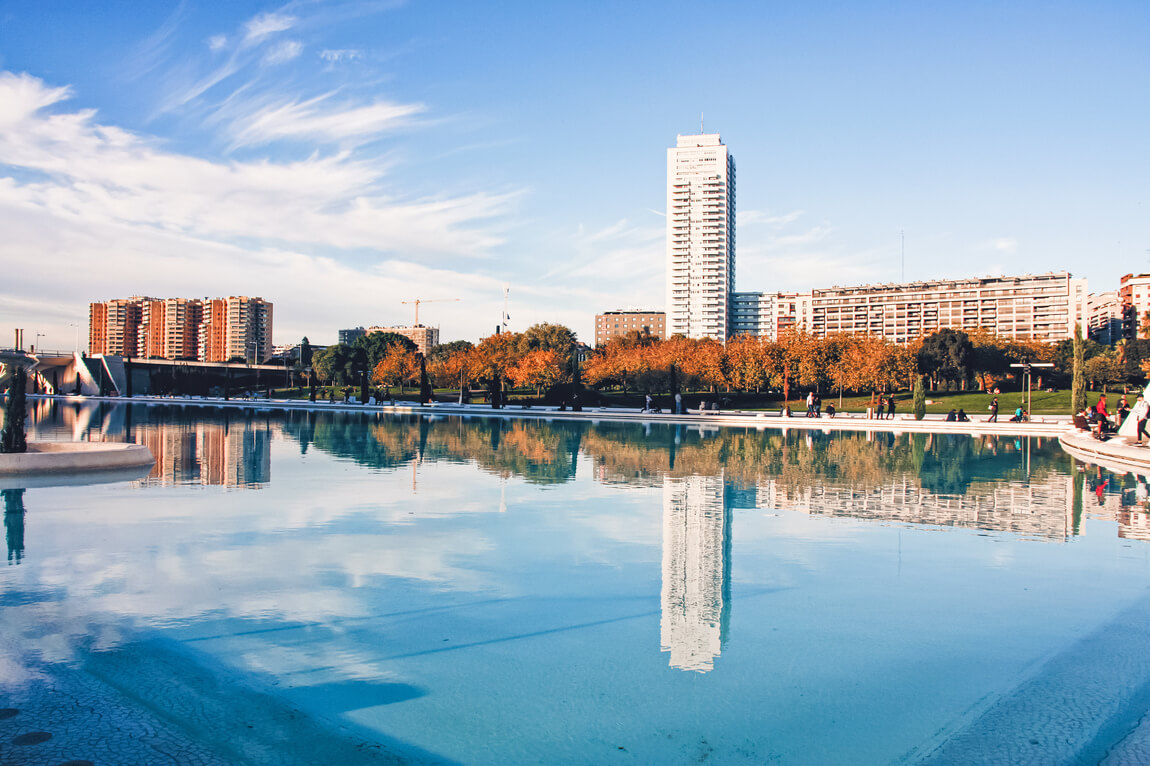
column 957, row 417
column 885, row 408
column 815, row 406
column 1097, row 418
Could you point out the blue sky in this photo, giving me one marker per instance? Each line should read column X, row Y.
column 340, row 157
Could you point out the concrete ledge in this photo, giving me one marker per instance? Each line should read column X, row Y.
column 1114, row 454
column 74, row 457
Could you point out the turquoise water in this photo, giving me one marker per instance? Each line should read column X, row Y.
column 492, row 591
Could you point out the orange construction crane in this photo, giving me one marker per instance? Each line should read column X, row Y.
column 418, row 301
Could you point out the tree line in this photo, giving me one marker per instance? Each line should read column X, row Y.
column 544, row 356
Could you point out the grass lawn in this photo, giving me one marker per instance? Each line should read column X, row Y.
column 974, row 402
column 977, row 402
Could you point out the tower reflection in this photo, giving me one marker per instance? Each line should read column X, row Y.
column 696, row 592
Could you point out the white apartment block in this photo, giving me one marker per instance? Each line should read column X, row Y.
column 1105, row 317
column 1134, row 292
column 700, row 237
column 1041, row 307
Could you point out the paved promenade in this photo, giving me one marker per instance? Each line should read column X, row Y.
column 1043, row 425
column 1118, row 454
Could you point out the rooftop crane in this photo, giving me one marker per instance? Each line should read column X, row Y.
column 418, row 301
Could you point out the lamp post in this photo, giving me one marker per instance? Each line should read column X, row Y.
column 1026, row 368
column 35, row 346
column 76, row 346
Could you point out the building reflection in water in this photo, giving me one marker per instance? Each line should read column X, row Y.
column 696, row 593
column 209, row 453
column 1041, row 508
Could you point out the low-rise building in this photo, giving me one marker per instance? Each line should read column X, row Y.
column 1042, row 307
column 422, row 336
column 614, row 324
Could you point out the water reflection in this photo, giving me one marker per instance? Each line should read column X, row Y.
column 344, row 585
column 1020, row 485
column 696, row 593
column 14, row 523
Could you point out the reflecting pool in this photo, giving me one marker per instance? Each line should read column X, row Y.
column 481, row 591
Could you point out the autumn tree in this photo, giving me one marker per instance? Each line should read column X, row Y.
column 399, row 366
column 539, row 369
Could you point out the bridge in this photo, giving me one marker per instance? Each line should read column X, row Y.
column 104, row 374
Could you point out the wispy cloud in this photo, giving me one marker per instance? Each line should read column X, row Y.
column 217, row 42
column 752, row 217
column 337, row 56
column 1007, row 245
column 310, row 119
column 120, row 213
column 266, row 24
column 283, row 52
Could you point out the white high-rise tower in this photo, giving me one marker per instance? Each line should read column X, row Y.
column 700, row 237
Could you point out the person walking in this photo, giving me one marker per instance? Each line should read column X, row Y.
column 678, row 403
column 1140, row 410
column 810, row 404
column 890, row 406
column 993, row 411
column 647, row 404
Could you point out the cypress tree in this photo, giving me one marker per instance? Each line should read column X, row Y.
column 919, row 398
column 1078, row 383
column 12, row 438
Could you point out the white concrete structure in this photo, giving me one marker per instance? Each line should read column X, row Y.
column 700, row 237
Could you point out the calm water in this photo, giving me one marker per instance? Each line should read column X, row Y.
column 487, row 591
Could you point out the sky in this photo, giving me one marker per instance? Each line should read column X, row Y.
column 340, row 157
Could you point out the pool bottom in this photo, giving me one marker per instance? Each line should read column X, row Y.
column 153, row 701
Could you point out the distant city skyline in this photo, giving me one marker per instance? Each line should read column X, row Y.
column 343, row 157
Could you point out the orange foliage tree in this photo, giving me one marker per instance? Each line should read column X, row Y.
column 539, row 369
column 397, row 367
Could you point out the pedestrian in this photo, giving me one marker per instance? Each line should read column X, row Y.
column 1122, row 411
column 678, row 403
column 993, row 411
column 647, row 405
column 890, row 406
column 1140, row 410
column 818, row 406
column 810, row 404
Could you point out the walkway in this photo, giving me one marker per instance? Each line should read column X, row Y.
column 1118, row 454
column 1051, row 425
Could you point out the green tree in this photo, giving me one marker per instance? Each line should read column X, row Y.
column 919, row 398
column 443, row 351
column 305, row 353
column 946, row 355
column 546, row 337
column 376, row 345
column 13, row 438
column 1078, row 385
